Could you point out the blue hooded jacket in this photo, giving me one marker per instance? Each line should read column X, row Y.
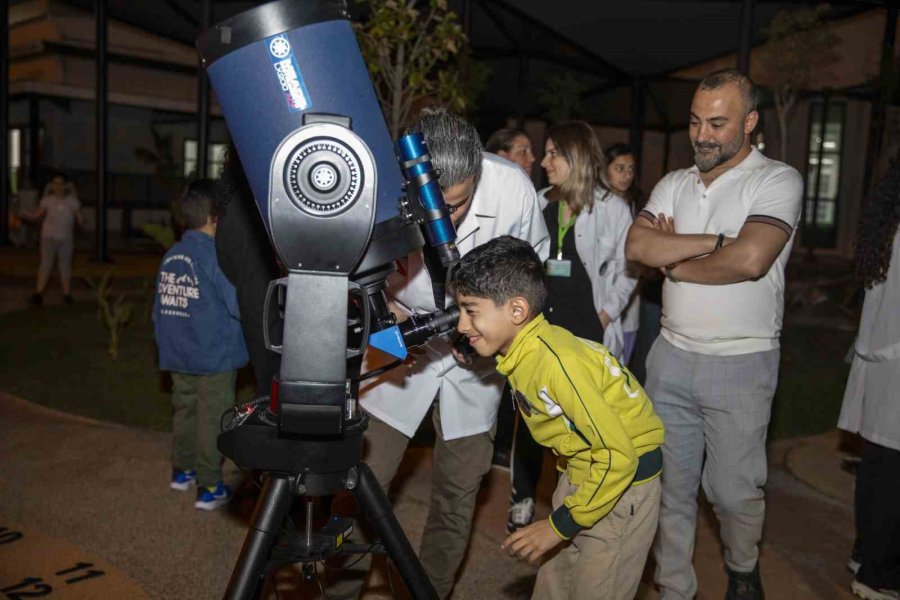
column 195, row 312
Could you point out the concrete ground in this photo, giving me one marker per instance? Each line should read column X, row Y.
column 102, row 489
column 80, row 497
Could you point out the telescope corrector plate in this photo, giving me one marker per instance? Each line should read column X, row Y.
column 323, row 177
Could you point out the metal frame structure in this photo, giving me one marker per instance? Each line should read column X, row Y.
column 502, row 14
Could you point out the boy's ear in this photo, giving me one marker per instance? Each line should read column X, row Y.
column 519, row 310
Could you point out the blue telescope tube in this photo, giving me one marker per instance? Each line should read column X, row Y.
column 439, row 230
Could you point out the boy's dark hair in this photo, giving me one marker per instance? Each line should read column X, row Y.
column 198, row 203
column 501, row 269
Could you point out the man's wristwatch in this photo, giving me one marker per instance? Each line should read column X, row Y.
column 668, row 272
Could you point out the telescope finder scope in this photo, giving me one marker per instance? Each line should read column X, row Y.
column 439, row 230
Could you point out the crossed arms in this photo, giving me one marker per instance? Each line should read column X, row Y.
column 749, row 256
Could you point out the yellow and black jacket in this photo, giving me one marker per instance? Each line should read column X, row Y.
column 579, row 401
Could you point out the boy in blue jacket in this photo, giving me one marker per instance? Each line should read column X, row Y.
column 198, row 332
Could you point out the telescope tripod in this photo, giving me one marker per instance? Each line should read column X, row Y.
column 260, row 555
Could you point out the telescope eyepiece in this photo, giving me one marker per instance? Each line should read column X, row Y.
column 418, row 329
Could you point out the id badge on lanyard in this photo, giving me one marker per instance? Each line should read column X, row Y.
column 559, row 266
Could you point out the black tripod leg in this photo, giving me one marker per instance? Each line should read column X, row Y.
column 271, row 510
column 381, row 516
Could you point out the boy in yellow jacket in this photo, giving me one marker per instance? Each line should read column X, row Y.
column 579, row 401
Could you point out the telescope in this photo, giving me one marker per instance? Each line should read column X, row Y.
column 341, row 203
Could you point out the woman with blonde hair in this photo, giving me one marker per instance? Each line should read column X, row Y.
column 588, row 222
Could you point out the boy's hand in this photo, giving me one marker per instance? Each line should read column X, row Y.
column 461, row 350
column 532, row 542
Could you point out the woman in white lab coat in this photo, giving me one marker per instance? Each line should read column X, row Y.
column 872, row 400
column 586, row 277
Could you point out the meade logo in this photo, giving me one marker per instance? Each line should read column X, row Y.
column 288, row 73
column 280, row 47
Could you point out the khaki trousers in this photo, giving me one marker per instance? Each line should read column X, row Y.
column 459, row 466
column 606, row 561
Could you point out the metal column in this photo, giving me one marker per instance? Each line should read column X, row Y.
column 101, row 123
column 636, row 132
column 746, row 36
column 667, row 141
column 203, row 103
column 876, row 121
column 34, row 140
column 4, row 125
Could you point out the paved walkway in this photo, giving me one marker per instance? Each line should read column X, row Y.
column 91, row 497
column 98, row 493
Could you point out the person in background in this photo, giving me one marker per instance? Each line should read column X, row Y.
column 872, row 399
column 588, row 222
column 198, row 333
column 60, row 210
column 620, row 165
column 514, row 145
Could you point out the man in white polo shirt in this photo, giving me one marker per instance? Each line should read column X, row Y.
column 721, row 231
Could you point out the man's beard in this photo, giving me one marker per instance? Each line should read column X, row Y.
column 710, row 160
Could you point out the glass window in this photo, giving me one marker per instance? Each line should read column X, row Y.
column 215, row 159
column 15, row 158
column 823, row 181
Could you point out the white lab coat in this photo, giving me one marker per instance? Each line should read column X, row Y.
column 872, row 399
column 505, row 203
column 600, row 243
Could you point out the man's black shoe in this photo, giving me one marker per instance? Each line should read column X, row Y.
column 744, row 586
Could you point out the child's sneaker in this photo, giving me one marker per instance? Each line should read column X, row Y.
column 520, row 515
column 211, row 498
column 183, row 480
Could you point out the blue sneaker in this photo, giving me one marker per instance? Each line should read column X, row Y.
column 211, row 498
column 182, row 480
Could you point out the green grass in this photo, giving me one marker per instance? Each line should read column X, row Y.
column 58, row 357
column 811, row 380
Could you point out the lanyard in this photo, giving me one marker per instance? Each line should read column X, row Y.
column 562, row 230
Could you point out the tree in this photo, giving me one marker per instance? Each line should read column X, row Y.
column 798, row 45
column 561, row 95
column 415, row 53
column 162, row 158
